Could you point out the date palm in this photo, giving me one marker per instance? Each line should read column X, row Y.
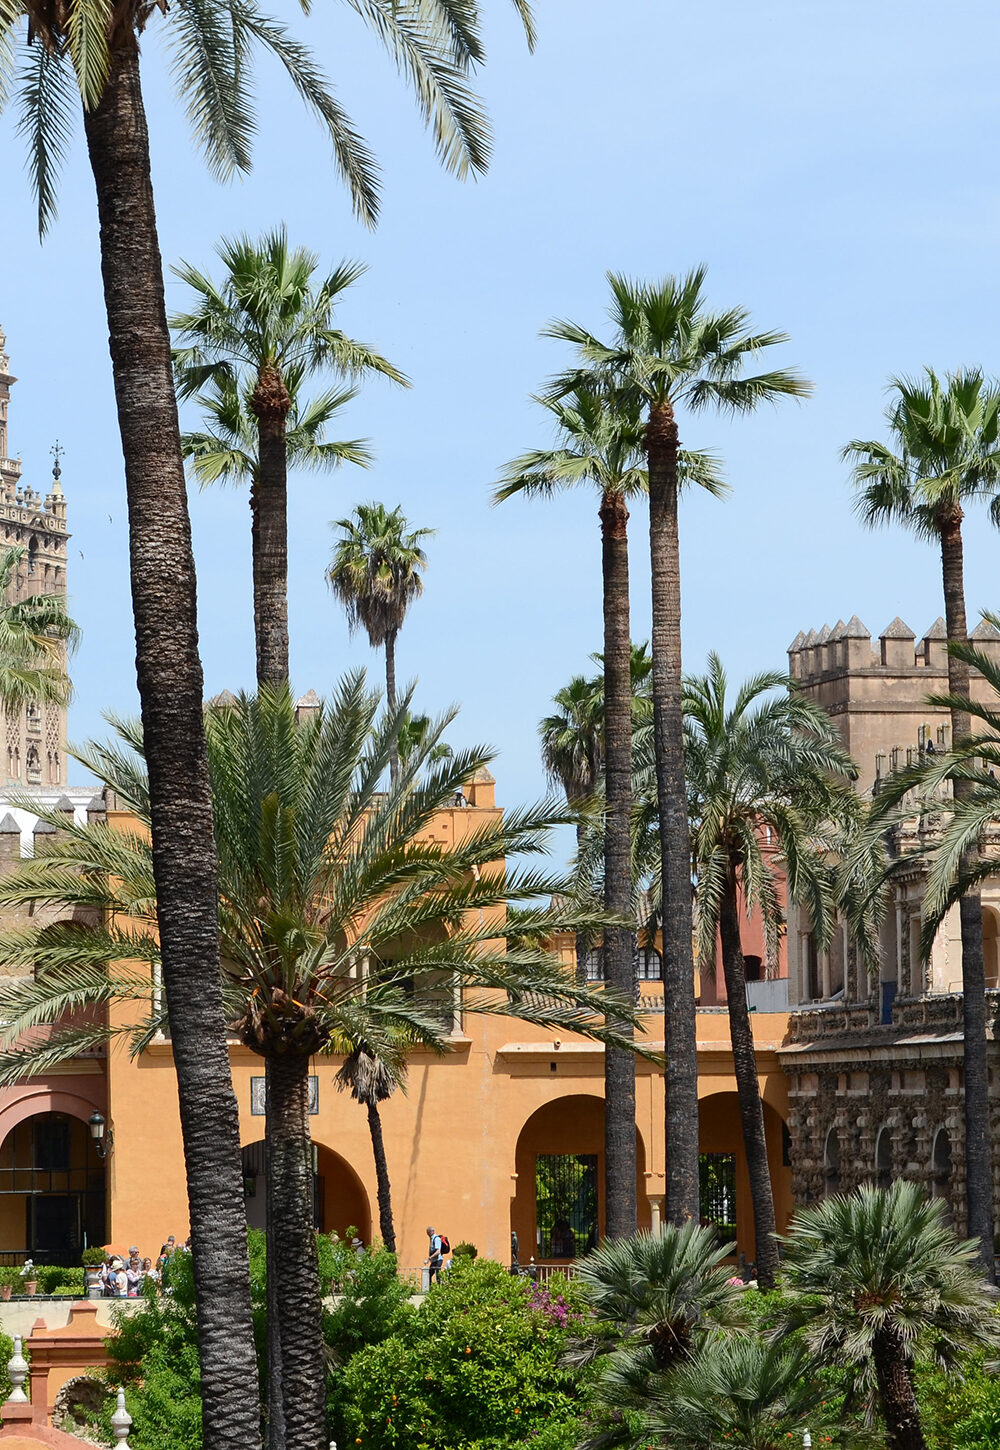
column 85, row 54
column 760, row 762
column 254, row 340
column 943, row 453
column 375, row 572
column 666, row 350
column 34, row 634
column 876, row 1279
column 371, row 1076
column 321, row 876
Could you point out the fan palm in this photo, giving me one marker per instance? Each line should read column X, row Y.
column 319, row 877
column 34, row 634
column 255, row 340
column 660, row 1294
column 87, row 53
column 375, row 573
column 878, row 1277
column 372, row 1078
column 740, row 1392
column 944, row 452
column 762, row 762
column 667, row 349
column 601, row 447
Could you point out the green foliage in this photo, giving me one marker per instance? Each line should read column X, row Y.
column 477, row 1367
column 960, row 1414
column 57, row 1279
column 465, row 1251
column 92, row 1258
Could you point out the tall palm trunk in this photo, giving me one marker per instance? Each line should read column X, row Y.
column 390, row 700
column 581, row 943
column 270, row 405
column 978, row 1157
column 386, row 1227
column 171, row 692
column 895, row 1391
column 292, row 1238
column 619, row 968
column 679, row 1019
column 747, row 1085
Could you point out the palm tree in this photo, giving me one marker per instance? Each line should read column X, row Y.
column 375, row 573
column 877, row 1278
column 601, row 446
column 944, row 452
column 661, row 1294
column 81, row 54
column 34, row 634
column 255, row 340
column 761, row 763
column 412, row 734
column 741, row 1391
column 320, row 875
column 371, row 1077
column 668, row 349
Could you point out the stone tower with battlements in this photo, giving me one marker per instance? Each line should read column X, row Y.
column 33, row 744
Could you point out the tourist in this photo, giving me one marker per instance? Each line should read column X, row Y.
column 133, row 1276
column 435, row 1258
column 148, row 1272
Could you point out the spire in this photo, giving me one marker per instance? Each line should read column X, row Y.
column 57, row 451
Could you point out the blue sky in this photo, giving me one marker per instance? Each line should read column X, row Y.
column 834, row 167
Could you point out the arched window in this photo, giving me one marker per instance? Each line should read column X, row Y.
column 883, row 1159
column 941, row 1164
column 831, row 1162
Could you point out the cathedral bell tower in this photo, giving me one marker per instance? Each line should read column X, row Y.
column 33, row 742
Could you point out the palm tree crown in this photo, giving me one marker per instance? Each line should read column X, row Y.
column 434, row 43
column 375, row 570
column 878, row 1277
column 762, row 764
column 667, row 347
column 320, row 875
column 944, row 450
column 270, row 316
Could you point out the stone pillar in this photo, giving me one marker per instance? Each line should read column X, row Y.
column 655, row 1205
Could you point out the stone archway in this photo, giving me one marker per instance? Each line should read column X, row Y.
column 557, row 1211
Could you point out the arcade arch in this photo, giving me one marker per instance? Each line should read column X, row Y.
column 339, row 1198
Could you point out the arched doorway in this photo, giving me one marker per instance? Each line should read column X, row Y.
column 724, row 1183
column 339, row 1198
column 53, row 1201
column 557, row 1211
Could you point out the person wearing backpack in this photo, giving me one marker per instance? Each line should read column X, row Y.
column 439, row 1246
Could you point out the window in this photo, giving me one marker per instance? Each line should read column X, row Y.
column 566, row 1204
column 753, row 969
column 593, row 965
column 52, row 1146
column 717, row 1182
column 650, row 965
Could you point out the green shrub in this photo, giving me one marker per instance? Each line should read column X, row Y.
column 960, row 1414
column 57, row 1279
column 477, row 1367
column 93, row 1258
column 465, row 1251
